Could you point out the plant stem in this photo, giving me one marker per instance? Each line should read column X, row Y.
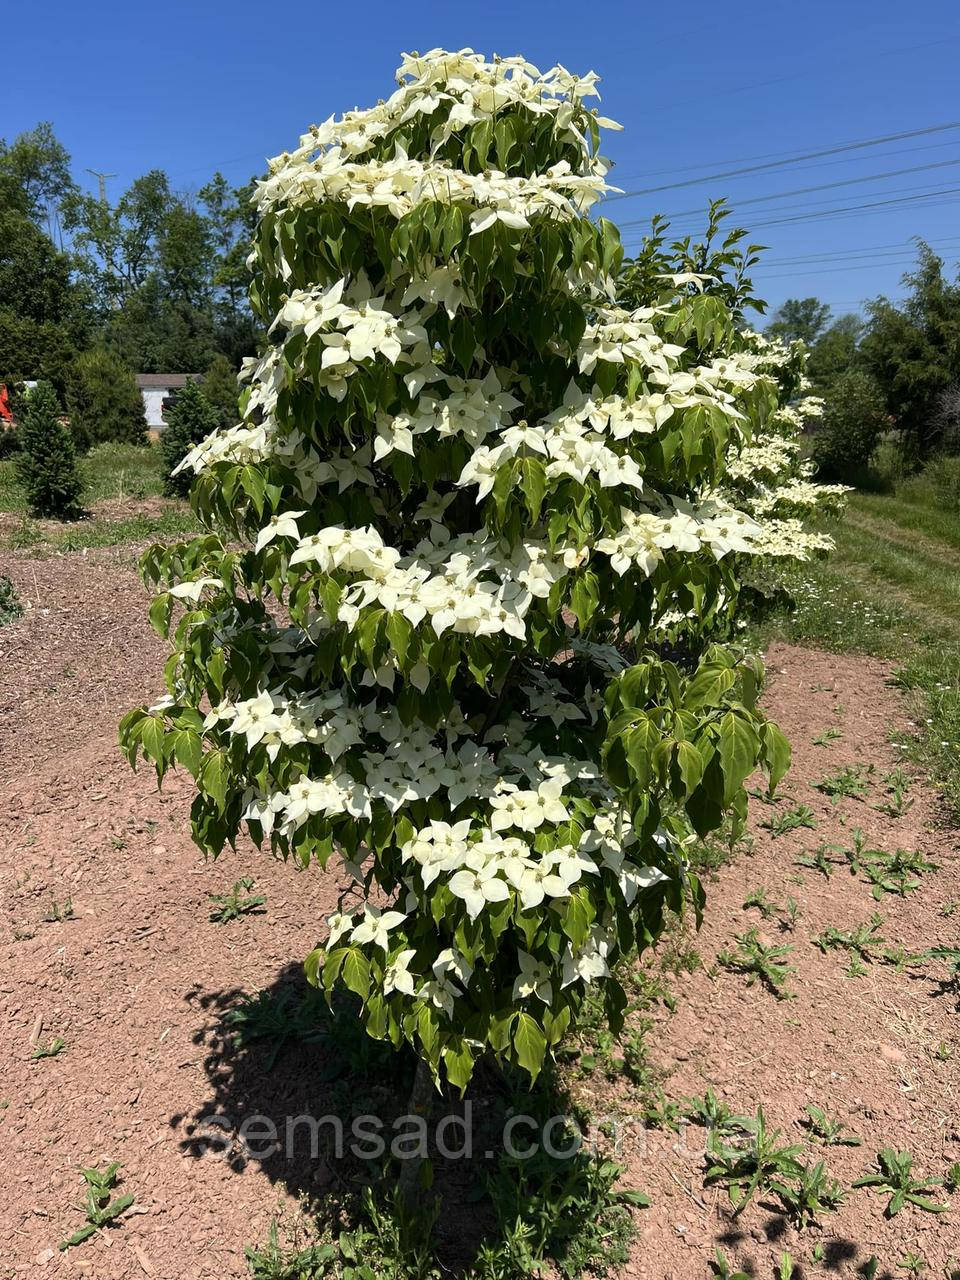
column 420, row 1104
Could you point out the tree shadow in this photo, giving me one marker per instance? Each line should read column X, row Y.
column 301, row 1092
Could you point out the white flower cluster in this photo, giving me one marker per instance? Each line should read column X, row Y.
column 452, row 92
column 682, row 526
column 767, row 478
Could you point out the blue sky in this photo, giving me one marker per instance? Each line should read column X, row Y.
column 700, row 88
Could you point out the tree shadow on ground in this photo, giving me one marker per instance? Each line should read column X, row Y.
column 305, row 1095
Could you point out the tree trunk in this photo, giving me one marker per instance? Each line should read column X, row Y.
column 420, row 1104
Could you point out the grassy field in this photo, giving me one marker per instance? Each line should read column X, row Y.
column 892, row 588
column 118, row 482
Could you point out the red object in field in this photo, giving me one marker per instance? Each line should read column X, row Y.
column 5, row 412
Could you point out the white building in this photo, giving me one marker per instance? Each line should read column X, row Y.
column 155, row 388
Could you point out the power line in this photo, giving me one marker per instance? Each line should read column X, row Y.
column 823, row 186
column 857, row 208
column 822, row 209
column 929, row 200
column 899, row 246
column 794, row 159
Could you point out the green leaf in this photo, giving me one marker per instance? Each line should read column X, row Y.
column 739, row 746
column 188, row 750
column 776, row 754
column 585, row 597
column 152, row 737
column 530, row 1045
column 533, row 482
column 399, row 631
column 214, row 777
column 356, row 972
column 708, row 686
column 463, row 343
column 689, row 764
column 160, row 612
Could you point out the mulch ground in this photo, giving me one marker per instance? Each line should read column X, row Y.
column 136, row 978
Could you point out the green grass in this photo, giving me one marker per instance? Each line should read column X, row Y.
column 111, row 472
column 892, row 588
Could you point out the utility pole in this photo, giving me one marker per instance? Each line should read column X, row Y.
column 102, row 179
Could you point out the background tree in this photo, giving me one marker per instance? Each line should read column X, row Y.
column 835, row 351
column 167, row 272
column 37, row 166
column 221, row 391
column 191, row 419
column 854, row 419
column 912, row 351
column 232, row 218
column 43, row 316
column 46, row 463
column 103, row 400
column 803, row 318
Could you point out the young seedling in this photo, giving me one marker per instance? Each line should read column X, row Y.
column 753, row 1165
column 722, row 1268
column 236, row 903
column 849, row 782
column 826, row 1130
column 785, row 1267
column 898, row 784
column 952, row 1180
column 829, row 735
column 862, row 942
column 56, row 914
column 895, row 1178
column 764, row 904
column 716, row 1117
column 912, row 1263
column 813, row 1193
column 791, row 911
column 818, row 860
column 790, row 820
column 101, row 1208
column 49, row 1050
column 895, row 872
column 759, row 960
column 710, row 1112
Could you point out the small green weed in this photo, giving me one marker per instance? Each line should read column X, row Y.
column 850, row 782
column 238, row 902
column 897, row 804
column 50, row 1049
column 56, row 914
column 101, row 1209
column 812, row 1193
column 826, row 1130
column 10, row 606
column 863, row 941
column 753, row 1165
column 791, row 820
column 895, row 1178
column 759, row 960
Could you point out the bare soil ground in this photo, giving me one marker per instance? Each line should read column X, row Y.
column 137, row 976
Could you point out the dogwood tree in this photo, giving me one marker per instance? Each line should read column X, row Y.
column 767, row 476
column 412, row 642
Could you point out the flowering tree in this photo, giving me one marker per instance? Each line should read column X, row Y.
column 767, row 477
column 465, row 488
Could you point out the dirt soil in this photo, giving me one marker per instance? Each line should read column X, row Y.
column 136, row 975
